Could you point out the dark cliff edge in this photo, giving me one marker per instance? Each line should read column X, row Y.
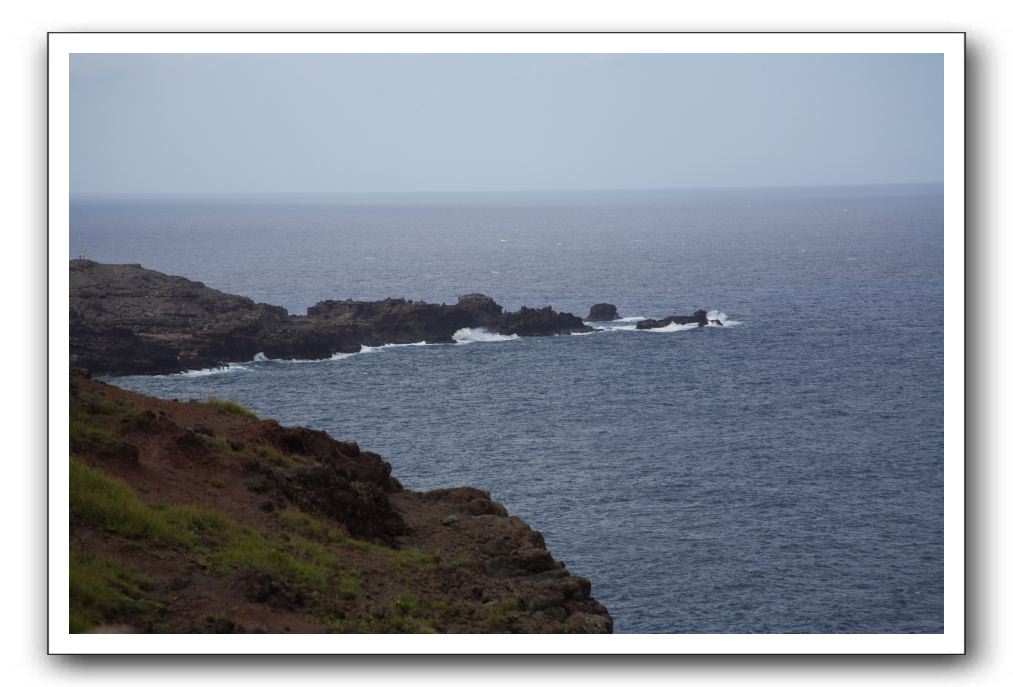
column 200, row 517
column 125, row 319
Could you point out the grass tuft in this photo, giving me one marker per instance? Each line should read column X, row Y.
column 231, row 407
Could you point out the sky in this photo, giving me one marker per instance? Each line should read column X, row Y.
column 249, row 123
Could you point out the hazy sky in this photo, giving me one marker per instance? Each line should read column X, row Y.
column 353, row 123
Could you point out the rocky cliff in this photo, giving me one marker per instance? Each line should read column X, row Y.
column 125, row 319
column 200, row 517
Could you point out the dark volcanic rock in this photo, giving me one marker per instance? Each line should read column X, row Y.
column 125, row 319
column 541, row 322
column 698, row 318
column 602, row 312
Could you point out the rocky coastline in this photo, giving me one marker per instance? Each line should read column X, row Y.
column 201, row 517
column 125, row 319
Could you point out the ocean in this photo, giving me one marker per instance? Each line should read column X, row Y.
column 780, row 474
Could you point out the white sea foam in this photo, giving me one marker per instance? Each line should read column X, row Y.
column 208, row 371
column 417, row 343
column 721, row 317
column 480, row 334
column 262, row 358
column 671, row 328
column 302, row 361
column 380, row 348
column 624, row 324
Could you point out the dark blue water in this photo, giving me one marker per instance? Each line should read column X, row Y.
column 784, row 474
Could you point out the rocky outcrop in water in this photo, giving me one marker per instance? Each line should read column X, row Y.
column 698, row 318
column 540, row 322
column 125, row 319
column 602, row 312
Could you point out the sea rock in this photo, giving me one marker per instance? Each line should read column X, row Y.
column 698, row 318
column 541, row 322
column 602, row 312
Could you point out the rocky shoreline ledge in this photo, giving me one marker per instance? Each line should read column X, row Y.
column 201, row 517
column 125, row 319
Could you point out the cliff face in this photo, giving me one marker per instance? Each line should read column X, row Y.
column 125, row 319
column 199, row 517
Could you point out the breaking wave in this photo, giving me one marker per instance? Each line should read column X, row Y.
column 672, row 328
column 461, row 336
column 625, row 324
column 629, row 324
column 229, row 367
column 722, row 317
column 480, row 334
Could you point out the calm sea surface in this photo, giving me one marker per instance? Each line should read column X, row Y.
column 784, row 474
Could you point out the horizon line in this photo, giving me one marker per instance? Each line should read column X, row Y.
column 508, row 191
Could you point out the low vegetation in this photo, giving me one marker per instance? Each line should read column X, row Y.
column 103, row 590
column 311, row 554
column 231, row 407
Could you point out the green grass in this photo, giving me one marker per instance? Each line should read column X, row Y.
column 82, row 430
column 103, row 591
column 311, row 558
column 304, row 524
column 320, row 531
column 231, row 407
column 126, row 410
column 113, row 506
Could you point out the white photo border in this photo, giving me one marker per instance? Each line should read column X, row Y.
column 950, row 45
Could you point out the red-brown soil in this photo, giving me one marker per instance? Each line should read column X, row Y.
column 290, row 531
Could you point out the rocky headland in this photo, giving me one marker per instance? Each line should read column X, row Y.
column 201, row 517
column 125, row 319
